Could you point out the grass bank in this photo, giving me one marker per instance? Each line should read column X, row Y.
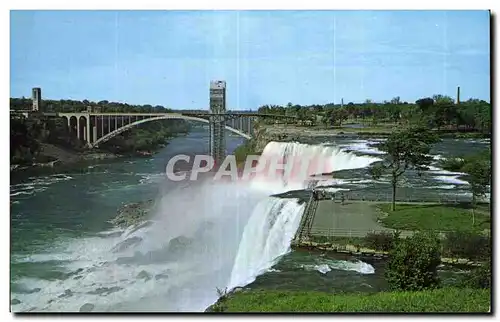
column 439, row 300
column 433, row 217
column 244, row 150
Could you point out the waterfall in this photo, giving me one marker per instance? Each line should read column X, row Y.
column 266, row 237
column 201, row 236
column 273, row 223
column 301, row 161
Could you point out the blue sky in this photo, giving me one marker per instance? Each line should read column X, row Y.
column 266, row 57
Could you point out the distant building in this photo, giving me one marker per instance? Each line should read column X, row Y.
column 37, row 99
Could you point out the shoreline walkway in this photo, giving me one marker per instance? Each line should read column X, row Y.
column 353, row 218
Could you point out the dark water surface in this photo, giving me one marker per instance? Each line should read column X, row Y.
column 48, row 209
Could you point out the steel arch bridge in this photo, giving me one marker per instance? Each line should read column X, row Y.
column 98, row 128
column 104, row 126
column 95, row 128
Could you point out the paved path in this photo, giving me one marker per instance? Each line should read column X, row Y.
column 353, row 219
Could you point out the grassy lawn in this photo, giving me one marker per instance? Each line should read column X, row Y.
column 440, row 300
column 433, row 217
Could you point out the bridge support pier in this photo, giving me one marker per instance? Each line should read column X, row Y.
column 87, row 130
column 94, row 133
column 78, row 128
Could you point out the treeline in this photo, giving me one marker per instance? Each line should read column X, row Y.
column 439, row 112
column 80, row 106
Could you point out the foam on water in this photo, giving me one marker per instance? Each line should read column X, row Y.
column 323, row 268
column 266, row 237
column 321, row 159
column 363, row 146
column 446, row 176
column 147, row 178
column 451, row 179
column 37, row 184
column 436, row 170
column 446, row 187
column 183, row 257
column 326, row 265
column 203, row 236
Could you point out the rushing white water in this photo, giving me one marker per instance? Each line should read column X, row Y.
column 302, row 161
column 267, row 236
column 322, row 268
column 326, row 265
column 36, row 185
column 203, row 236
column 271, row 227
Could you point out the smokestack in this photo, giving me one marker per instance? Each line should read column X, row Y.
column 458, row 95
column 341, row 102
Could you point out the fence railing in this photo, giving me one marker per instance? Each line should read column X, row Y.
column 387, row 197
column 361, row 233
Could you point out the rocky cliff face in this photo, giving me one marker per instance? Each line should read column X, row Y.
column 266, row 134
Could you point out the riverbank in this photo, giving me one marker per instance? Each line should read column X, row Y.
column 47, row 143
column 364, row 228
column 280, row 132
column 356, row 247
column 440, row 300
column 58, row 157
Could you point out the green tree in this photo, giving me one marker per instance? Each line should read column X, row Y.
column 413, row 263
column 311, row 117
column 480, row 277
column 328, row 118
column 478, row 169
column 339, row 115
column 405, row 149
column 444, row 111
column 425, row 104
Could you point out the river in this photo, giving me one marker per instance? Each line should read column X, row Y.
column 203, row 235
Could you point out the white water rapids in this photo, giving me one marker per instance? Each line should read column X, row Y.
column 203, row 236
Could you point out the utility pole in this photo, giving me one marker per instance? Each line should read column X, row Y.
column 458, row 95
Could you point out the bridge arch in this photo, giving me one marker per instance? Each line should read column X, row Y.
column 73, row 125
column 82, row 128
column 163, row 117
